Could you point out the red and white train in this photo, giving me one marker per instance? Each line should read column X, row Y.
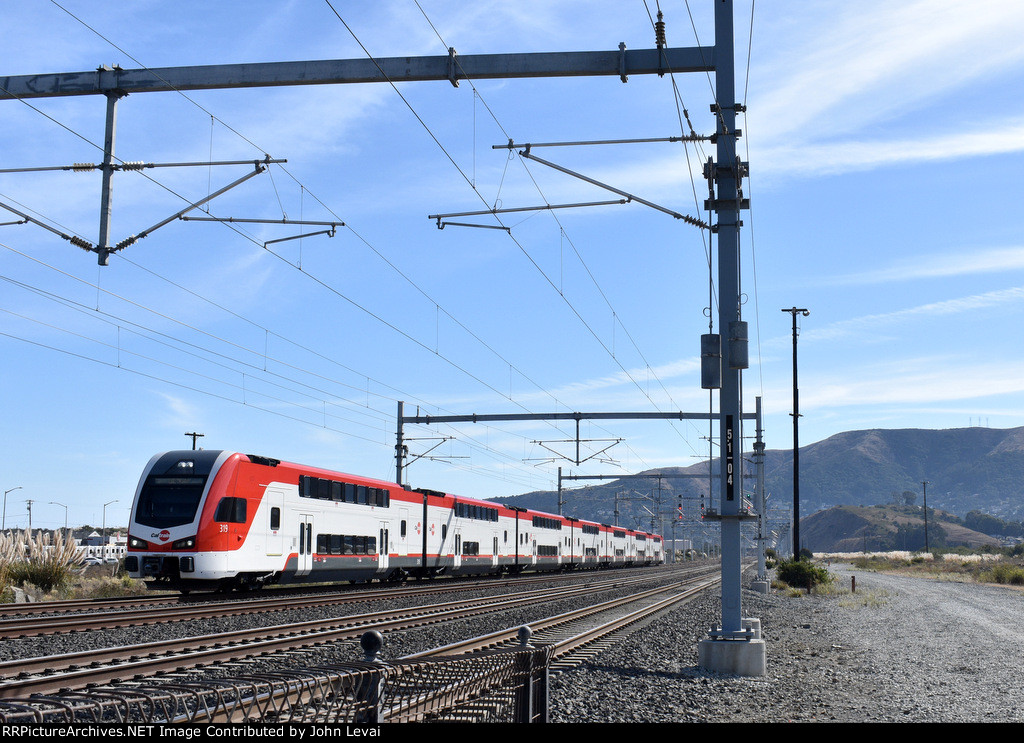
column 215, row 520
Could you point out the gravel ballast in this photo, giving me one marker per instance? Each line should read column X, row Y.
column 900, row 649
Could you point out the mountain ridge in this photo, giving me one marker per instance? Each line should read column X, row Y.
column 966, row 469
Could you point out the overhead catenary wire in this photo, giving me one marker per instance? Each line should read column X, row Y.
column 214, row 118
column 618, row 320
column 247, row 369
column 562, row 231
column 191, row 100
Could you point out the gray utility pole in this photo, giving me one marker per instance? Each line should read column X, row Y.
column 761, row 584
column 727, row 174
column 924, row 486
column 796, row 439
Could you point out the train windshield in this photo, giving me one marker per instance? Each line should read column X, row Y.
column 168, row 501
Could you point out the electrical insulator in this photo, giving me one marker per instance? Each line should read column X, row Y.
column 82, row 167
column 659, row 31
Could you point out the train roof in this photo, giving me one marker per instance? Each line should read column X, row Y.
column 202, row 462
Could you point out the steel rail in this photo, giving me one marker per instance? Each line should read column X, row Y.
column 110, row 664
column 174, row 611
column 506, row 636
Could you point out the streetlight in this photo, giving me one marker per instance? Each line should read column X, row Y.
column 796, row 440
column 105, row 528
column 55, row 503
column 3, row 521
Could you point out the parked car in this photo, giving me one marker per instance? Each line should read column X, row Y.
column 92, row 561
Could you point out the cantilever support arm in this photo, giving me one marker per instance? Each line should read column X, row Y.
column 685, row 217
column 260, row 167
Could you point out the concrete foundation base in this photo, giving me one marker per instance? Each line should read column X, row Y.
column 739, row 657
column 760, row 586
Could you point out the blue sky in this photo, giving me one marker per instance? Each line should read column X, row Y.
column 883, row 141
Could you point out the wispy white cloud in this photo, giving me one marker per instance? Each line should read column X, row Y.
column 960, row 305
column 178, row 411
column 830, row 158
column 963, row 263
column 914, row 381
column 865, row 63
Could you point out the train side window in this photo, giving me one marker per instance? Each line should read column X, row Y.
column 402, row 531
column 231, row 510
column 275, row 518
column 444, row 532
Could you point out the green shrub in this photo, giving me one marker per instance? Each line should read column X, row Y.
column 1003, row 573
column 802, row 573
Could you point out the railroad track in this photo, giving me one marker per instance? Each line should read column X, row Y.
column 81, row 616
column 572, row 631
column 50, row 675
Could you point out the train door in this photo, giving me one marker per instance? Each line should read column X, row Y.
column 403, row 533
column 305, row 544
column 275, row 535
column 382, row 546
column 457, row 559
column 494, row 550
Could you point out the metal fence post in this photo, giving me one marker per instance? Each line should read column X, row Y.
column 531, row 702
column 370, row 687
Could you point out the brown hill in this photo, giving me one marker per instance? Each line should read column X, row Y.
column 883, row 528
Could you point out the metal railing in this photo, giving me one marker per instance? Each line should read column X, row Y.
column 498, row 686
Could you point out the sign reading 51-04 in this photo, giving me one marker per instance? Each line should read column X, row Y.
column 729, row 476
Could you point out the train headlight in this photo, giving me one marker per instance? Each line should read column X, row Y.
column 134, row 543
column 188, row 543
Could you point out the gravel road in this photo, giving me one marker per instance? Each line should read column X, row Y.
column 901, row 649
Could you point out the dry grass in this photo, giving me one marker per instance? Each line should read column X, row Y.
column 46, row 567
column 953, row 567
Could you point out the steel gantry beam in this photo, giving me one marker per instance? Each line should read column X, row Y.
column 115, row 83
column 451, row 67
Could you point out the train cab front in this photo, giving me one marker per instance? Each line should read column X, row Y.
column 162, row 534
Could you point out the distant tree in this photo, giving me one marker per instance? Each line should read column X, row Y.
column 909, row 496
column 911, row 537
column 988, row 524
